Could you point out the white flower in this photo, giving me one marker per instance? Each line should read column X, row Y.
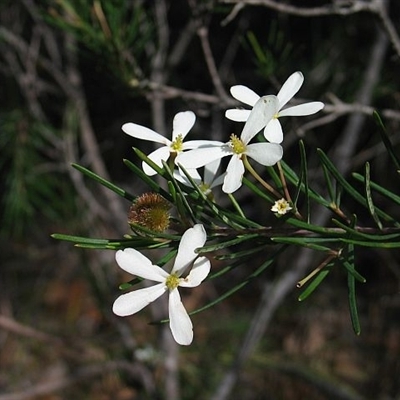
column 281, row 207
column 264, row 153
column 137, row 264
column 182, row 123
column 273, row 130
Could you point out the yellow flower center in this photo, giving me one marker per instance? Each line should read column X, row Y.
column 172, row 282
column 237, row 145
column 177, row 144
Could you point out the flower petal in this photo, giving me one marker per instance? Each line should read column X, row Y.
column 199, row 144
column 290, row 88
column 141, row 132
column 131, row 303
column 210, row 171
column 262, row 112
column 198, row 157
column 199, row 272
column 192, row 239
column 237, row 115
column 183, row 122
column 273, row 131
column 234, row 174
column 179, row 320
column 134, row 262
column 244, row 94
column 157, row 156
column 193, row 173
column 218, row 181
column 302, row 109
column 265, row 153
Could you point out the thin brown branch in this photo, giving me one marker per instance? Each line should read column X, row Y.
column 158, row 68
column 210, row 61
column 337, row 8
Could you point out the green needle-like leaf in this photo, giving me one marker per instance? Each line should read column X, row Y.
column 314, row 283
column 353, row 304
column 228, row 243
column 236, row 288
column 300, row 242
column 303, row 181
column 79, row 239
column 104, row 182
column 387, row 193
column 292, row 177
column 147, row 179
column 378, row 237
column 256, row 190
column 367, row 187
column 351, row 269
column 386, row 141
column 349, row 189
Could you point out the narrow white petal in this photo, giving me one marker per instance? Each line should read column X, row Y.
column 131, row 303
column 210, row 171
column 157, row 156
column 179, row 320
column 199, row 272
column 244, row 94
column 199, row 157
column 302, row 109
column 273, row 131
column 192, row 239
column 290, row 88
column 183, row 123
column 262, row 112
column 199, row 144
column 181, row 177
column 141, row 132
column 218, row 181
column 237, row 115
column 265, row 153
column 135, row 263
column 234, row 174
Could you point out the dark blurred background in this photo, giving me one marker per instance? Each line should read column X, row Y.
column 71, row 73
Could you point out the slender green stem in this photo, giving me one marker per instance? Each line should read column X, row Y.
column 258, row 177
column 284, row 185
column 286, row 191
column 317, row 270
column 236, row 205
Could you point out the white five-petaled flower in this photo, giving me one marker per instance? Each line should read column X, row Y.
column 281, row 207
column 264, row 153
column 135, row 263
column 273, row 130
column 182, row 124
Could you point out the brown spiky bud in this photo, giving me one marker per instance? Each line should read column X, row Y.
column 151, row 211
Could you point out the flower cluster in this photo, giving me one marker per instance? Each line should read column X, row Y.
column 264, row 115
column 190, row 155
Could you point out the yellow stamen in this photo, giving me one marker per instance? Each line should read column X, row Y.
column 237, row 145
column 172, row 282
column 177, row 144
